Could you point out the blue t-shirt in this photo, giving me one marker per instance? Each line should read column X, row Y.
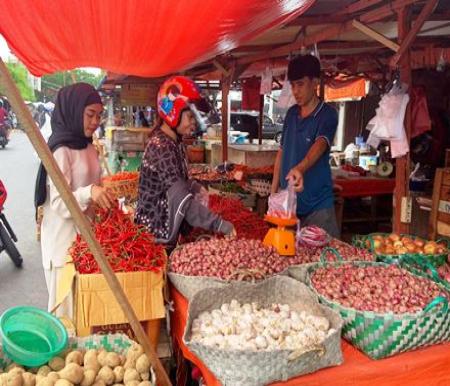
column 299, row 134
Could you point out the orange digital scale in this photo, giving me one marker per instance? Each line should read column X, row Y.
column 281, row 238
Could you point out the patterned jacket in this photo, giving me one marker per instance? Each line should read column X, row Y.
column 166, row 195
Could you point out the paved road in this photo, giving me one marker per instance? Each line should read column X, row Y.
column 25, row 286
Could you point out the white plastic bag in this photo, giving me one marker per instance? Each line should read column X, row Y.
column 266, row 81
column 283, row 204
column 286, row 98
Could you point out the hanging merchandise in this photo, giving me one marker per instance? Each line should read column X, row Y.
column 420, row 117
column 266, row 81
column 388, row 121
column 250, row 94
column 286, row 98
column 441, row 63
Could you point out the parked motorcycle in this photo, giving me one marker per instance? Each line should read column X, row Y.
column 7, row 235
column 4, row 135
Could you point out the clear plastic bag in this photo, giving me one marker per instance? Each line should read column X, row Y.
column 283, row 204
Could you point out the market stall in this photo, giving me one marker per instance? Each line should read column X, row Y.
column 392, row 303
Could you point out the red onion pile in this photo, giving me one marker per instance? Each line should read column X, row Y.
column 225, row 259
column 444, row 272
column 308, row 254
column 378, row 289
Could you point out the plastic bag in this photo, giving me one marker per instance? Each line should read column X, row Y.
column 266, row 81
column 311, row 236
column 286, row 99
column 283, row 204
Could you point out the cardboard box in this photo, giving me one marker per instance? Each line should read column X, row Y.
column 95, row 304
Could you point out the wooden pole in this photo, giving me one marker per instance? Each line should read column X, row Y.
column 226, row 84
column 411, row 33
column 403, row 164
column 23, row 114
column 261, row 119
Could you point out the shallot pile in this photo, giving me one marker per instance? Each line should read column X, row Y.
column 379, row 289
column 308, row 254
column 444, row 272
column 227, row 258
column 251, row 327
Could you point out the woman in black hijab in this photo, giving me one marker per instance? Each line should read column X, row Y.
column 76, row 116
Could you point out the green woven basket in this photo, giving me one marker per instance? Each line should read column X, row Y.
column 383, row 335
column 423, row 267
column 361, row 241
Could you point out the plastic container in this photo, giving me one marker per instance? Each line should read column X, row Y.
column 30, row 336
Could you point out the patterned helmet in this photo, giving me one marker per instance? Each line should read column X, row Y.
column 176, row 94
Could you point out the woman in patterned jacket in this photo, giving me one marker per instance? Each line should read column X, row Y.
column 166, row 195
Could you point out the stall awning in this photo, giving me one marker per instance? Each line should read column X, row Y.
column 138, row 37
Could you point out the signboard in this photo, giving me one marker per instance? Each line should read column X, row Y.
column 139, row 94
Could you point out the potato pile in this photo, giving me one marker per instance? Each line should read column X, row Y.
column 395, row 244
column 89, row 368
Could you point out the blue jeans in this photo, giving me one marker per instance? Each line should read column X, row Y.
column 323, row 218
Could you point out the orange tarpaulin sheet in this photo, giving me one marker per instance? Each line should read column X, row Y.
column 352, row 89
column 137, row 37
column 427, row 366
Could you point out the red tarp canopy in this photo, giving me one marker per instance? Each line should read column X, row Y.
column 138, row 37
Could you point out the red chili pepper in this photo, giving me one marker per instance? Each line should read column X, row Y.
column 128, row 246
column 248, row 224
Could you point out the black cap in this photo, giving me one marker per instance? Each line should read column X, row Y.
column 303, row 65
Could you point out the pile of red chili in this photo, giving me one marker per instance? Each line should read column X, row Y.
column 248, row 224
column 129, row 247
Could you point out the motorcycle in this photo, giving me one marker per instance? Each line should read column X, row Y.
column 7, row 235
column 4, row 136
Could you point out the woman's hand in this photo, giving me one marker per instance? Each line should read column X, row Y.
column 102, row 197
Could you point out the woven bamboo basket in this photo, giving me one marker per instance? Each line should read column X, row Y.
column 127, row 188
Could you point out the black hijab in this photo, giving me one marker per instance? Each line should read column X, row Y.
column 67, row 127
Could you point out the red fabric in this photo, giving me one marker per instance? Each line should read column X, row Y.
column 420, row 117
column 428, row 366
column 250, row 94
column 362, row 187
column 138, row 37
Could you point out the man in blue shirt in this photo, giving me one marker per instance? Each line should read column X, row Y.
column 303, row 157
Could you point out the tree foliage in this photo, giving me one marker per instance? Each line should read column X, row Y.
column 20, row 76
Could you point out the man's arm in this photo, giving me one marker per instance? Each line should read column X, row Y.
column 276, row 172
column 315, row 152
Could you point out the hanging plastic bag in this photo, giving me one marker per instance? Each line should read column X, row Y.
column 283, row 204
column 286, row 99
column 266, row 81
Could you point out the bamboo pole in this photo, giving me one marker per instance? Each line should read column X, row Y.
column 23, row 114
column 226, row 83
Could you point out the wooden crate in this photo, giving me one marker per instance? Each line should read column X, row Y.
column 440, row 209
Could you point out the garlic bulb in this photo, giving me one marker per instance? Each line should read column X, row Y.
column 252, row 327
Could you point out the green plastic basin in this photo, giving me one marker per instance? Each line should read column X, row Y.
column 31, row 336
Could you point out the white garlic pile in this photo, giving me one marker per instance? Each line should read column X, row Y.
column 251, row 327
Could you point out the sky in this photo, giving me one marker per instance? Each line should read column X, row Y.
column 6, row 54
